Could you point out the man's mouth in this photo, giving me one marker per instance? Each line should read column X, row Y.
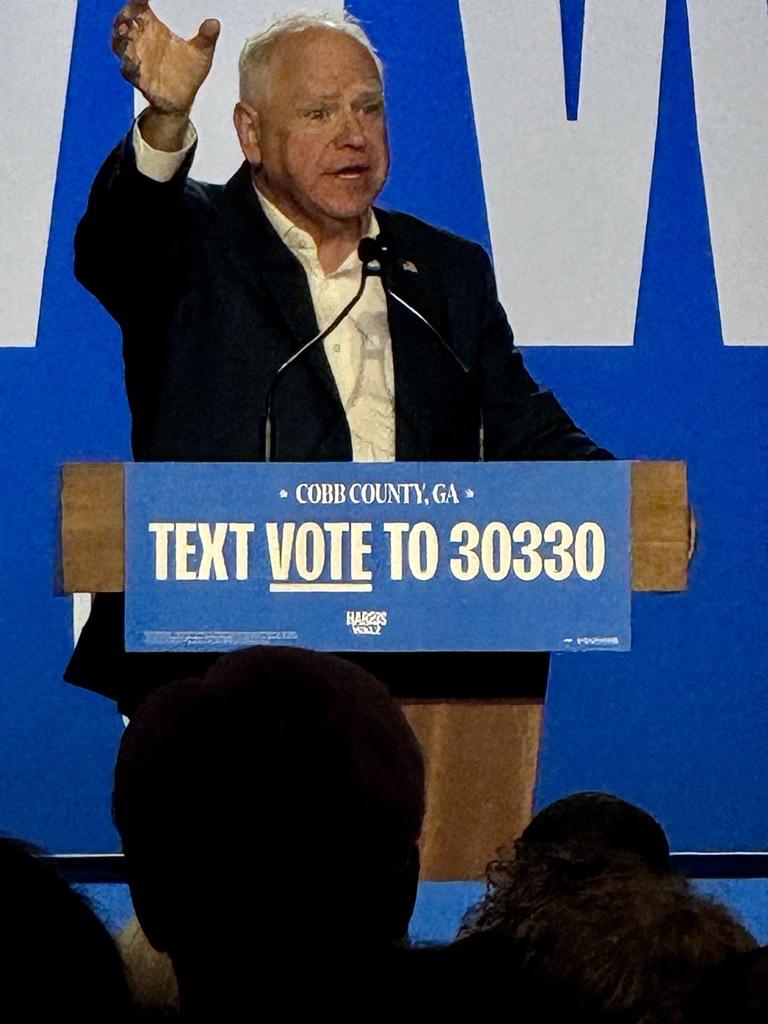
column 351, row 172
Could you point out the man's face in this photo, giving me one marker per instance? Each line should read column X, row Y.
column 322, row 140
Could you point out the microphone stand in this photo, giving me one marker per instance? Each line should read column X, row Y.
column 371, row 268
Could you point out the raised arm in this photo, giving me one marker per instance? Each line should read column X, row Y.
column 132, row 223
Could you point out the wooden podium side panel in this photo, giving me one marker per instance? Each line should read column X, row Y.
column 661, row 526
column 92, row 527
column 481, row 770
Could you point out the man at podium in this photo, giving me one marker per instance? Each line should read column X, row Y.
column 229, row 297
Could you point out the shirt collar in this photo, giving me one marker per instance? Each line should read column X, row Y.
column 299, row 240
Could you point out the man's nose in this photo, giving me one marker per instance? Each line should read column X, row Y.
column 350, row 131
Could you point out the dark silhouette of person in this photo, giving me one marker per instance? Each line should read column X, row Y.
column 270, row 812
column 59, row 962
column 592, row 904
column 733, row 992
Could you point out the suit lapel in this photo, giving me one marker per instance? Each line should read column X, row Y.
column 265, row 264
column 415, row 349
column 267, row 267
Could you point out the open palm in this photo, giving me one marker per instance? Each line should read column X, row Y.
column 165, row 68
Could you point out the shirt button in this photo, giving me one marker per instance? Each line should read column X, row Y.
column 337, row 348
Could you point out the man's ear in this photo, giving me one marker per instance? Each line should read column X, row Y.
column 248, row 131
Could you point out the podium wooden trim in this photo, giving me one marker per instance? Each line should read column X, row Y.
column 481, row 756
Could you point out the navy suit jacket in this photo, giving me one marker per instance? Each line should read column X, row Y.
column 211, row 302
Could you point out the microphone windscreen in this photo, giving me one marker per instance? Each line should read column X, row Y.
column 369, row 250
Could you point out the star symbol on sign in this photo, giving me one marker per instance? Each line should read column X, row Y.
column 283, row 494
column 469, row 493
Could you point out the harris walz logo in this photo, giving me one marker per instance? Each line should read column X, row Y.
column 366, row 623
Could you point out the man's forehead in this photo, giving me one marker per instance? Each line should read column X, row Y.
column 365, row 92
column 322, row 62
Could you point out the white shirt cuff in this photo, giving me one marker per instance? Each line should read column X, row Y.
column 155, row 163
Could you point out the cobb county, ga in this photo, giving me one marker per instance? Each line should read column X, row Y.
column 370, row 493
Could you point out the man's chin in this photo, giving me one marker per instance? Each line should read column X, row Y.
column 348, row 214
column 355, row 203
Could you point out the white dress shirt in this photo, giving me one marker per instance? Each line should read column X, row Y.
column 359, row 350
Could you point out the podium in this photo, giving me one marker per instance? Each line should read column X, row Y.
column 481, row 751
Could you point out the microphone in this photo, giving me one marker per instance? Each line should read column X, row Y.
column 372, row 255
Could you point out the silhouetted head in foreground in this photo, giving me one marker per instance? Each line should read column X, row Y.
column 597, row 822
column 58, row 962
column 592, row 904
column 567, row 844
column 273, row 803
column 629, row 944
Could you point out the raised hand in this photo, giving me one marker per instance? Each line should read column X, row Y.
column 165, row 68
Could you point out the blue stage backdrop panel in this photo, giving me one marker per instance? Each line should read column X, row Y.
column 677, row 725
column 680, row 727
column 61, row 400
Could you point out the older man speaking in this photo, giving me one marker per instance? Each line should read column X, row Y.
column 238, row 281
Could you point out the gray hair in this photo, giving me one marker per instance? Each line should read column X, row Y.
column 257, row 51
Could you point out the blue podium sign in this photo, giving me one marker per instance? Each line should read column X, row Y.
column 387, row 557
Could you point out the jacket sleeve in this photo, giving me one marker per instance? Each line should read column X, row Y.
column 129, row 242
column 521, row 421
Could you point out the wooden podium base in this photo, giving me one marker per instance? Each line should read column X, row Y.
column 481, row 771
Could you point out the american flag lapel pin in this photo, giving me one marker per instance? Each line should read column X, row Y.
column 410, row 267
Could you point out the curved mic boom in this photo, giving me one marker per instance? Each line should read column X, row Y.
column 372, row 255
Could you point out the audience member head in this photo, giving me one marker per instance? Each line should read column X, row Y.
column 282, row 793
column 599, row 823
column 733, row 992
column 568, row 843
column 59, row 961
column 629, row 943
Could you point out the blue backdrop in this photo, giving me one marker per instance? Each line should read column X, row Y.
column 678, row 725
